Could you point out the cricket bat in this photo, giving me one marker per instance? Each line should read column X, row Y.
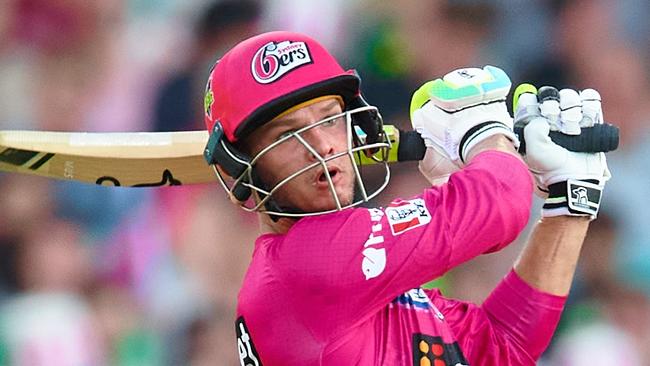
column 133, row 159
column 154, row 159
column 136, row 159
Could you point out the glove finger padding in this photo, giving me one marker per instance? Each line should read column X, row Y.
column 549, row 106
column 570, row 111
column 462, row 109
column 526, row 106
column 592, row 109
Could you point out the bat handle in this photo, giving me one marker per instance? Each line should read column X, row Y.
column 411, row 146
column 599, row 138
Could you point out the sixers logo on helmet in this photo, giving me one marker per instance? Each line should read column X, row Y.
column 273, row 60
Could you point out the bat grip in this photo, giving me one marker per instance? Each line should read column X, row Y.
column 599, row 138
column 411, row 146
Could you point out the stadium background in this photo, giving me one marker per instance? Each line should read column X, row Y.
column 93, row 275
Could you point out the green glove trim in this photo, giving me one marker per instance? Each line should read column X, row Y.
column 420, row 97
column 521, row 89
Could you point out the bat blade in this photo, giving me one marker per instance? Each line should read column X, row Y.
column 139, row 159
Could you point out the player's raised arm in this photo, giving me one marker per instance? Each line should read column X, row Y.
column 521, row 314
column 464, row 123
column 572, row 184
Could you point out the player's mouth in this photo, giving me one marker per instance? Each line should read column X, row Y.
column 321, row 177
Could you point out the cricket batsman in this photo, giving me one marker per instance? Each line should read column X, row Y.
column 332, row 282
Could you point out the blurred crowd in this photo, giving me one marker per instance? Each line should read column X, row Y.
column 94, row 275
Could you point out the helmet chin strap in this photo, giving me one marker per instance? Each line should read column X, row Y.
column 271, row 204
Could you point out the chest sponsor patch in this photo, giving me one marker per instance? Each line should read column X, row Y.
column 428, row 350
column 406, row 215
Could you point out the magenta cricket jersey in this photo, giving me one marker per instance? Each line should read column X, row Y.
column 343, row 288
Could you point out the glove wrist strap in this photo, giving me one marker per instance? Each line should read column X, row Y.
column 573, row 197
column 479, row 133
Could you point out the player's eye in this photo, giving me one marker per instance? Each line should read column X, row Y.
column 333, row 121
column 285, row 134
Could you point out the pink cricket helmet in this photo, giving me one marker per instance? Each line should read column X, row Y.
column 267, row 74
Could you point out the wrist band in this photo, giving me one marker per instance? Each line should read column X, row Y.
column 481, row 131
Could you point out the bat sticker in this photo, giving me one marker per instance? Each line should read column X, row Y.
column 19, row 157
column 41, row 161
column 167, row 180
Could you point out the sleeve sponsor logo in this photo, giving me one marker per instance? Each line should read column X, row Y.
column 374, row 259
column 275, row 59
column 248, row 355
column 374, row 262
column 406, row 215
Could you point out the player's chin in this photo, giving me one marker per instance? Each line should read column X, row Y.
column 325, row 200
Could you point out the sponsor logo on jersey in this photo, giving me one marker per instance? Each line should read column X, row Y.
column 414, row 298
column 428, row 350
column 407, row 215
column 417, row 299
column 275, row 59
column 248, row 355
column 374, row 258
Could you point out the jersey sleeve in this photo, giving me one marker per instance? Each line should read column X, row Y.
column 350, row 264
column 514, row 325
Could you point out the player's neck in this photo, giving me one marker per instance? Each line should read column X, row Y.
column 281, row 226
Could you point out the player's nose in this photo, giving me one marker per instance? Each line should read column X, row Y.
column 321, row 142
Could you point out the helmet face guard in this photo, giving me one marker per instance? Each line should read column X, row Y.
column 366, row 141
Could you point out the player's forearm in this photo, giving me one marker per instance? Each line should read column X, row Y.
column 526, row 306
column 548, row 262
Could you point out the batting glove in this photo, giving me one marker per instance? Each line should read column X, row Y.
column 455, row 113
column 571, row 182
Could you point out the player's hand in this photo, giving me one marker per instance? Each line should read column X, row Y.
column 455, row 113
column 571, row 182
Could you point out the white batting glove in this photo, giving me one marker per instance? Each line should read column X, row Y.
column 455, row 113
column 571, row 182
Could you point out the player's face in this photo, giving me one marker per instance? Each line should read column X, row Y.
column 309, row 191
